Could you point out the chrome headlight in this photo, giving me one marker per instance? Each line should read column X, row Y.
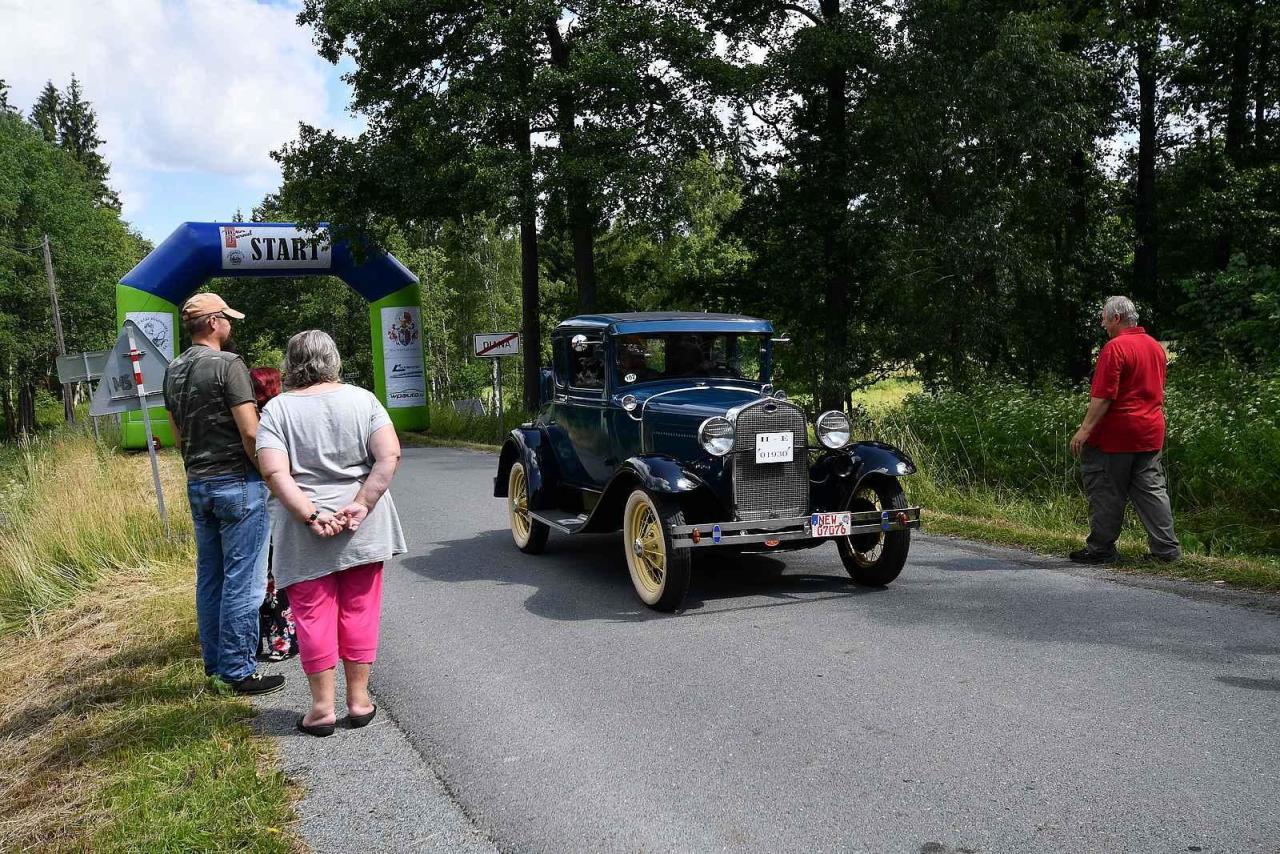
column 716, row 436
column 833, row 429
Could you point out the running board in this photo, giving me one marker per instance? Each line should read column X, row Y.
column 563, row 524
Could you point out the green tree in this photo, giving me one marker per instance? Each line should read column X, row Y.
column 628, row 97
column 78, row 135
column 44, row 191
column 1000, row 217
column 817, row 61
column 451, row 119
column 5, row 106
column 45, row 112
column 496, row 107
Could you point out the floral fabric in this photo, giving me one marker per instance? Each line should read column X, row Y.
column 277, row 636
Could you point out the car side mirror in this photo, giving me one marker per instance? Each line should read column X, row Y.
column 579, row 343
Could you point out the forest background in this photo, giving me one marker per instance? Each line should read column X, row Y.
column 933, row 193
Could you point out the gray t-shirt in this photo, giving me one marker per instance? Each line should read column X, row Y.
column 326, row 436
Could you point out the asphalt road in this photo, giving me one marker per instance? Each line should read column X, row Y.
column 986, row 701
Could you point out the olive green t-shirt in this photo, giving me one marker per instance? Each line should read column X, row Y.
column 200, row 387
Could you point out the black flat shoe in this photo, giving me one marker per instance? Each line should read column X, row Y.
column 357, row 721
column 1092, row 557
column 318, row 730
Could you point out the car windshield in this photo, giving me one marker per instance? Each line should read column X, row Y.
column 642, row 358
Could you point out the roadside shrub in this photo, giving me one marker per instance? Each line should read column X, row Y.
column 448, row 423
column 1222, row 451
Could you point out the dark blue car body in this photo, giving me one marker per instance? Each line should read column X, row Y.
column 589, row 448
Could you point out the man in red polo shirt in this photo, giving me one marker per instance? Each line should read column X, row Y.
column 1120, row 440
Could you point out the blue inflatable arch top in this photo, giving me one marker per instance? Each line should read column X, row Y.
column 198, row 251
column 192, row 255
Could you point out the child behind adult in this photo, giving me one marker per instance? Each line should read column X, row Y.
column 277, row 635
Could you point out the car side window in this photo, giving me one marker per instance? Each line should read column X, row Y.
column 586, row 367
column 560, row 361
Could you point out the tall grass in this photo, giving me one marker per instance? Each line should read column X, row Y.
column 75, row 510
column 111, row 736
column 448, row 423
column 1004, row 445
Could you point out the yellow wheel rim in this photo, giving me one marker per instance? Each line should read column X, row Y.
column 648, row 549
column 518, row 504
column 868, row 557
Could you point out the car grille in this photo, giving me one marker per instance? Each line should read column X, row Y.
column 770, row 490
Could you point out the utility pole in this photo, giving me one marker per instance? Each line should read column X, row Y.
column 68, row 410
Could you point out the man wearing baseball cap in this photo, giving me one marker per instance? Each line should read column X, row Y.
column 214, row 416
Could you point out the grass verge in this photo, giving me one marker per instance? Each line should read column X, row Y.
column 1057, row 528
column 111, row 737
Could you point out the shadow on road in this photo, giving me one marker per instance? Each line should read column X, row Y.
column 585, row 577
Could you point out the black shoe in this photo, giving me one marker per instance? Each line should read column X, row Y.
column 357, row 721
column 257, row 685
column 318, row 730
column 1092, row 557
column 1152, row 557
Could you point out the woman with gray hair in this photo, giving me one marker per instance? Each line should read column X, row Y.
column 328, row 451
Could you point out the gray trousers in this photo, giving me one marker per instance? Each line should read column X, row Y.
column 1112, row 480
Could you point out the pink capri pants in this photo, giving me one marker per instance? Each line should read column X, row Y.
column 337, row 616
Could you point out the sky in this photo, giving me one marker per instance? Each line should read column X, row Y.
column 191, row 95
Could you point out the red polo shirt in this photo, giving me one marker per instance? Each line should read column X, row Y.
column 1130, row 374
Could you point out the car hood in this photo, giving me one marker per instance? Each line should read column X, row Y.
column 680, row 402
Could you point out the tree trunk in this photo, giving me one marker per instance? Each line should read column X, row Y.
column 1076, row 232
column 1237, row 130
column 1144, row 219
column 27, row 408
column 578, row 194
column 10, row 421
column 530, row 326
column 835, row 179
column 1260, row 77
column 1236, row 134
column 582, row 227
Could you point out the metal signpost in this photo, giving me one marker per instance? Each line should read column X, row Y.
column 134, row 364
column 495, row 345
column 83, row 368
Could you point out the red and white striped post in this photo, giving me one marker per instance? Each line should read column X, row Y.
column 136, row 358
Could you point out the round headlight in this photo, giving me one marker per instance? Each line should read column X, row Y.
column 833, row 429
column 716, row 436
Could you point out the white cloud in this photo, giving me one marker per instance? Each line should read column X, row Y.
column 204, row 86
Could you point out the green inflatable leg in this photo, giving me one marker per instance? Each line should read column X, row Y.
column 399, row 369
column 158, row 318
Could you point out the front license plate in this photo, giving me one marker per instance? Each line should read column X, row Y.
column 830, row 524
column 775, row 447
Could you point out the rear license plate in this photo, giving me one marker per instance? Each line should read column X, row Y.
column 775, row 447
column 830, row 524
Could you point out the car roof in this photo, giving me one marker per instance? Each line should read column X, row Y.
column 635, row 322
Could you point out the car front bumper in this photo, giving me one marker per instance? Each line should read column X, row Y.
column 774, row 531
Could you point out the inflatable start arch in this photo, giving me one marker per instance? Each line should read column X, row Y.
column 196, row 252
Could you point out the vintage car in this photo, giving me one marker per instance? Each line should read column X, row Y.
column 667, row 426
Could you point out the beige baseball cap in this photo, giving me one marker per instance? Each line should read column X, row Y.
column 202, row 304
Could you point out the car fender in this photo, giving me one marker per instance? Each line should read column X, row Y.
column 529, row 446
column 877, row 458
column 654, row 472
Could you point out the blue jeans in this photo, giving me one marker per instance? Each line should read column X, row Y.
column 230, row 514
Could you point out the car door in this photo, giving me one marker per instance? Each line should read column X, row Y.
column 578, row 429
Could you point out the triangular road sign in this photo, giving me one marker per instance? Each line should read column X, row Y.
column 117, row 390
